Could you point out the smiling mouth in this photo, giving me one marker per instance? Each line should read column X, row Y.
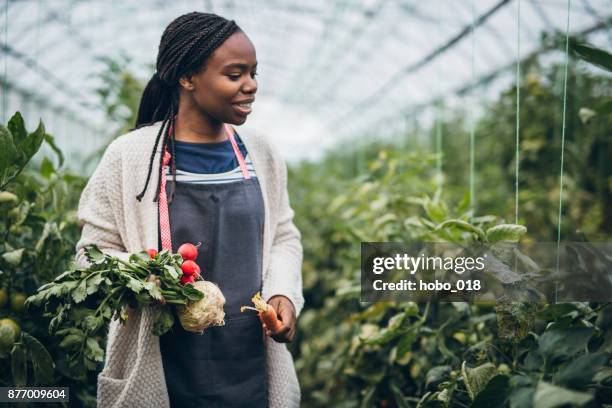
column 243, row 108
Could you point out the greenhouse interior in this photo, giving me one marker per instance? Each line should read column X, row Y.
column 285, row 260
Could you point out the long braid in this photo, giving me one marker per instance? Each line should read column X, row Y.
column 173, row 160
column 184, row 47
column 161, row 129
column 169, row 120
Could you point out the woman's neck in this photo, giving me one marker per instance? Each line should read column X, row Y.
column 192, row 126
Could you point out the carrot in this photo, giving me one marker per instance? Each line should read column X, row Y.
column 267, row 314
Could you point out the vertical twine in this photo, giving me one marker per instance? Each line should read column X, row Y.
column 5, row 72
column 439, row 144
column 518, row 112
column 563, row 138
column 439, row 115
column 472, row 124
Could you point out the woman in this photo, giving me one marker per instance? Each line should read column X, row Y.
column 212, row 186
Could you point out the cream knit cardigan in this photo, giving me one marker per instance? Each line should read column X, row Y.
column 112, row 218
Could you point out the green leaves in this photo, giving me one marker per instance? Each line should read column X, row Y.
column 41, row 360
column 476, row 378
column 164, row 320
column 18, row 147
column 591, row 54
column 93, row 254
column 579, row 372
column 463, row 226
column 557, row 345
column 82, row 301
column 13, row 257
column 19, row 365
column 93, row 351
column 80, row 292
column 505, row 233
column 551, row 396
column 494, row 394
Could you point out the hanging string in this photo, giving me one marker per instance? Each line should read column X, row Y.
column 37, row 45
column 439, row 143
column 439, row 112
column 565, row 75
column 5, row 73
column 518, row 120
column 472, row 125
column 518, row 111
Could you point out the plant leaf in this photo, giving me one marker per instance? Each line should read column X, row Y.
column 476, row 378
column 93, row 254
column 462, row 225
column 80, row 292
column 563, row 344
column 591, row 54
column 93, row 350
column 46, row 168
column 494, row 394
column 51, row 142
column 579, row 372
column 13, row 257
column 551, row 396
column 41, row 360
column 506, row 233
column 19, row 365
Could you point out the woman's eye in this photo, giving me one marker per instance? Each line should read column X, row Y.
column 234, row 77
column 254, row 74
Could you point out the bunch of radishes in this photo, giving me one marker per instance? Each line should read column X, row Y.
column 189, row 253
column 206, row 312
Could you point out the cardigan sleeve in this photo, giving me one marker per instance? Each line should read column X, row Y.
column 285, row 267
column 96, row 213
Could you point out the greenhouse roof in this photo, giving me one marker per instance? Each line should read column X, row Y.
column 328, row 70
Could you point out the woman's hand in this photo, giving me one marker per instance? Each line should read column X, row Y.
column 286, row 313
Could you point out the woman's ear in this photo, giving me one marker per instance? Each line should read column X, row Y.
column 186, row 82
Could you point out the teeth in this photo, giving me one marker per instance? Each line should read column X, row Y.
column 245, row 105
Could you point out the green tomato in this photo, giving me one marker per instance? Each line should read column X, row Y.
column 7, row 340
column 12, row 324
column 18, row 302
column 3, row 297
column 8, row 197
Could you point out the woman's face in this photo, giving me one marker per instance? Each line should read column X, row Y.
column 225, row 89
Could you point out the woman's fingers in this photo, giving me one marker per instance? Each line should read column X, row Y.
column 282, row 335
column 286, row 314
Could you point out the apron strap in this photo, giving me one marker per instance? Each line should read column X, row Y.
column 164, row 215
column 237, row 152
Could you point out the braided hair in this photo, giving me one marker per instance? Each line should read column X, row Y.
column 184, row 47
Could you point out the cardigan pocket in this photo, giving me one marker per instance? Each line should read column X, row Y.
column 110, row 390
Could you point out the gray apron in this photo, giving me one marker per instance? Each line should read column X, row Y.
column 225, row 366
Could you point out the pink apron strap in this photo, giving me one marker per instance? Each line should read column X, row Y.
column 164, row 216
column 243, row 166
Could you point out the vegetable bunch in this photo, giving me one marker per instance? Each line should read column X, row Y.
column 83, row 301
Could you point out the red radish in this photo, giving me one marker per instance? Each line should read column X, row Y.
column 185, row 279
column 188, row 251
column 190, row 268
column 152, row 253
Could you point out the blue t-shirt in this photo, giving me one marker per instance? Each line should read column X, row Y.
column 209, row 163
column 207, row 158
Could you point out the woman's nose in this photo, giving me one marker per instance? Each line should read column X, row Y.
column 250, row 86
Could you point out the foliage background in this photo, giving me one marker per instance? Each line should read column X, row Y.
column 351, row 354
